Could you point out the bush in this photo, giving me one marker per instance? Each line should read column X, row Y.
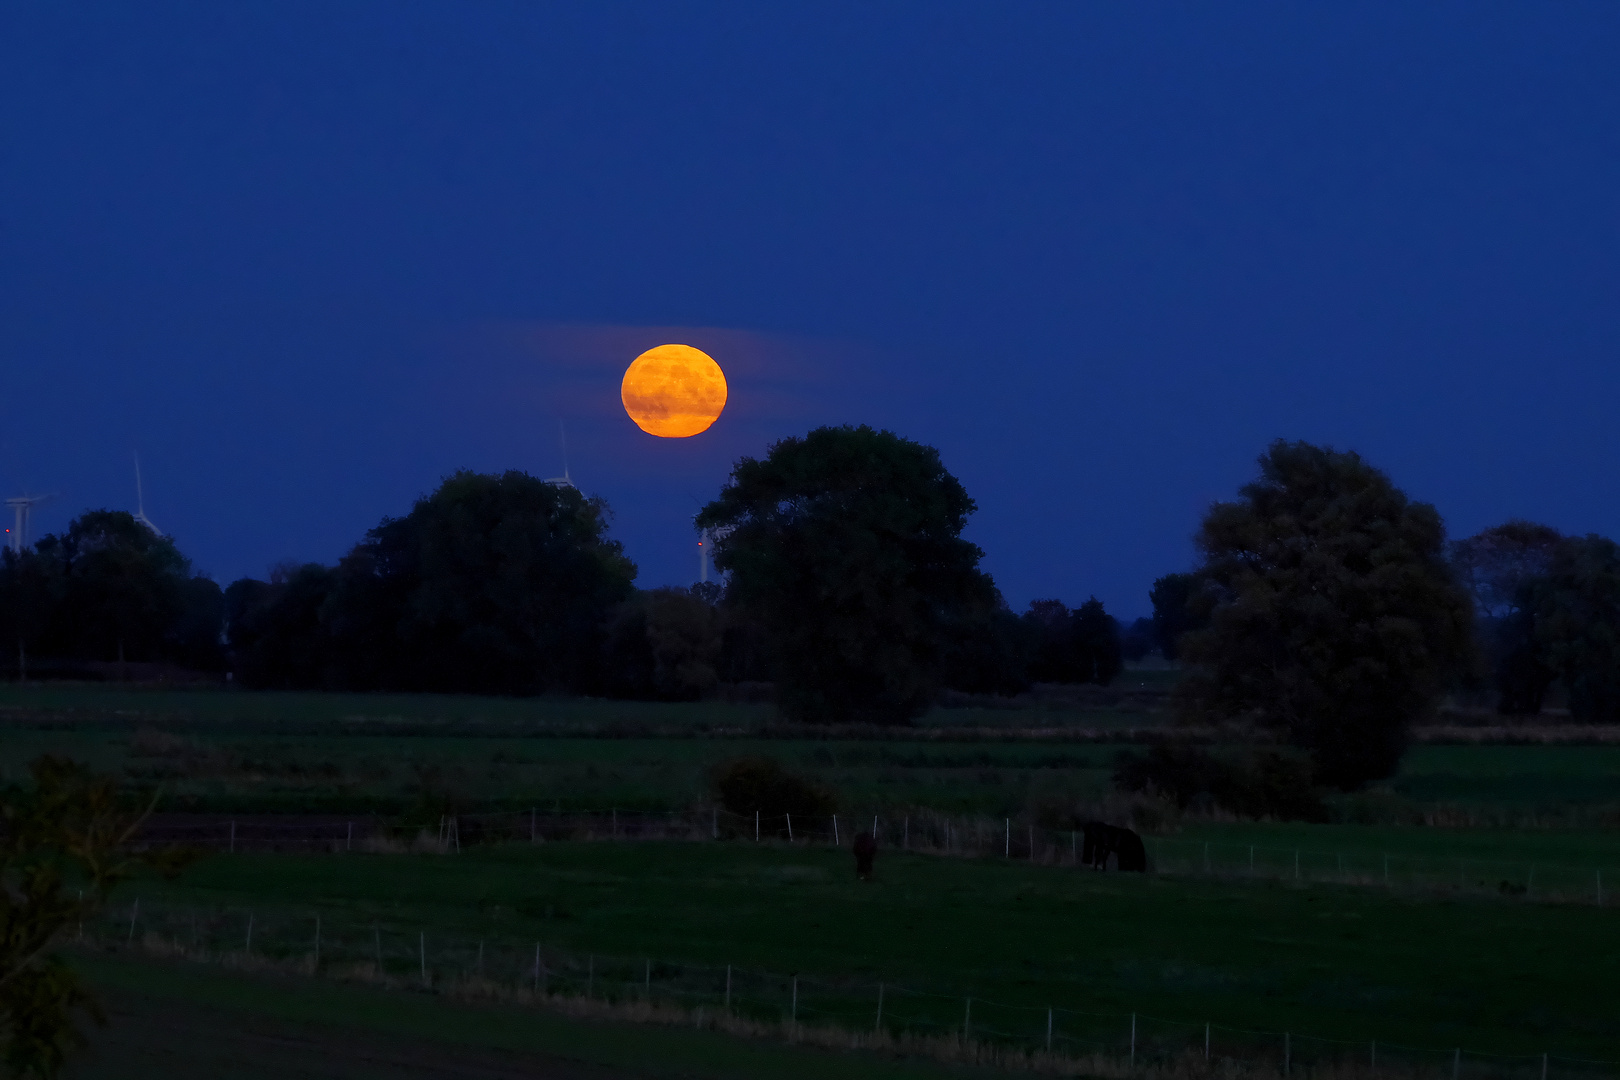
column 1266, row 783
column 761, row 785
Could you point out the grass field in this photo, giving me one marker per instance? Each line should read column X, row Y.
column 1440, row 958
column 215, row 751
column 1493, row 975
column 182, row 1022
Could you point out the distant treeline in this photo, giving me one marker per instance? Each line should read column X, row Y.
column 1325, row 604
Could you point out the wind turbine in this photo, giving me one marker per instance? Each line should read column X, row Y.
column 563, row 481
column 23, row 505
column 140, row 500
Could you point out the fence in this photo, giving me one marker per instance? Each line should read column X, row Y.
column 324, row 943
column 925, row 832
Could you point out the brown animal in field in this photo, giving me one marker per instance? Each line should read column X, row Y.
column 865, row 853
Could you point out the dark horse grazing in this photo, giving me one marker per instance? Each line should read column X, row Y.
column 865, row 852
column 1105, row 840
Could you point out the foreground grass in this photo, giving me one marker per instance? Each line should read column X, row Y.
column 1489, row 974
column 180, row 1022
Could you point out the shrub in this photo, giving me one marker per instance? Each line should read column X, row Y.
column 761, row 785
column 1266, row 783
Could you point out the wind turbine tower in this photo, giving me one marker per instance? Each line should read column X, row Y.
column 22, row 505
column 140, row 500
column 563, row 481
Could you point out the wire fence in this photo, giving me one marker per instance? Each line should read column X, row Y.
column 924, row 832
column 338, row 945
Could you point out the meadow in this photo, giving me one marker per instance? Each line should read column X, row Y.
column 1494, row 952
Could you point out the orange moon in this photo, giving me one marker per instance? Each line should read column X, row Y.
column 673, row 391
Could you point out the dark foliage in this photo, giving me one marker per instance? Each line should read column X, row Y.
column 64, row 844
column 1049, row 628
column 987, row 652
column 1175, row 611
column 1577, row 616
column 1502, row 567
column 662, row 645
column 1097, row 651
column 751, row 785
column 1264, row 784
column 109, row 589
column 492, row 584
column 1335, row 617
column 845, row 548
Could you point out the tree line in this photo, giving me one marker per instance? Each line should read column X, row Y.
column 1326, row 608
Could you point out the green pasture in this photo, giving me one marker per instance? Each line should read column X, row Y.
column 187, row 1022
column 244, row 752
column 1488, row 973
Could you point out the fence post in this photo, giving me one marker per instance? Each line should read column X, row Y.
column 905, row 834
column 879, row 1028
column 134, row 911
column 537, row 967
column 1543, row 1067
column 249, row 946
column 233, row 838
column 648, row 984
column 967, row 1021
column 790, row 827
column 1600, row 888
column 728, row 987
column 756, row 826
column 1296, row 864
column 1456, row 1062
column 615, row 823
column 1007, row 853
column 317, row 942
column 793, row 1016
column 1288, row 1052
column 1133, row 1040
column 421, row 943
column 836, row 842
column 590, row 976
column 377, row 936
column 1032, row 843
column 1048, row 1029
column 874, row 826
column 1206, row 1040
column 1375, row 1053
column 348, row 845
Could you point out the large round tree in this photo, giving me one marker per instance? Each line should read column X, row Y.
column 1333, row 616
column 846, row 547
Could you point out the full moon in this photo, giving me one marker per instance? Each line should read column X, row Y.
column 673, row 391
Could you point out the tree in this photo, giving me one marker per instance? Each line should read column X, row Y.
column 492, row 584
column 1334, row 614
column 1174, row 612
column 1097, row 648
column 68, row 827
column 123, row 588
column 1500, row 567
column 276, row 633
column 988, row 651
column 31, row 589
column 1049, row 625
column 845, row 545
column 1577, row 617
column 662, row 645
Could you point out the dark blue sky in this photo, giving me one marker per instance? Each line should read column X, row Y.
column 309, row 258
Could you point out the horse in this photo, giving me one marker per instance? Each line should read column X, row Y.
column 1105, row 840
column 865, row 853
